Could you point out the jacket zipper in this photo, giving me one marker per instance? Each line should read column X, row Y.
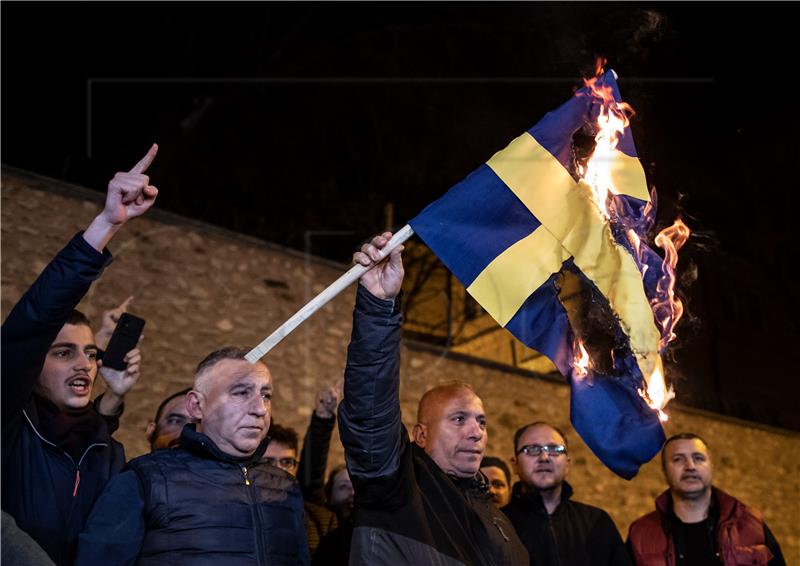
column 499, row 528
column 260, row 553
column 78, row 467
column 555, row 540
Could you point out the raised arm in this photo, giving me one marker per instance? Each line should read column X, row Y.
column 369, row 416
column 37, row 318
column 129, row 195
column 316, row 444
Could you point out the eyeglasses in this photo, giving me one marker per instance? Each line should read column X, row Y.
column 536, row 449
column 282, row 463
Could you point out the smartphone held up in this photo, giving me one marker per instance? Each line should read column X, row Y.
column 124, row 339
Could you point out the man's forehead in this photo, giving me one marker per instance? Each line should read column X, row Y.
column 176, row 405
column 342, row 476
column 687, row 446
column 240, row 371
column 462, row 400
column 278, row 447
column 492, row 470
column 78, row 334
column 540, row 433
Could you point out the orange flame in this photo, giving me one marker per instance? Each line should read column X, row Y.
column 581, row 362
column 657, row 394
column 614, row 117
column 669, row 312
column 604, row 92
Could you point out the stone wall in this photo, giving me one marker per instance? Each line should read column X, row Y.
column 200, row 288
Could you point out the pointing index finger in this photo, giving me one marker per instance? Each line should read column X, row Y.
column 125, row 304
column 145, row 162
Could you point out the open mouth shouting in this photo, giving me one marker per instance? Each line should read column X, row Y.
column 80, row 385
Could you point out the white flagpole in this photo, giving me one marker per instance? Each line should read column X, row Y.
column 352, row 275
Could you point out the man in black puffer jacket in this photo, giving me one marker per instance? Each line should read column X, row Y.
column 58, row 452
column 213, row 499
column 556, row 530
column 420, row 503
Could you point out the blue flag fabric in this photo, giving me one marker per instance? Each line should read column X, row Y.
column 511, row 227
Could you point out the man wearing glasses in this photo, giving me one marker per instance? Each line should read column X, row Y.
column 554, row 528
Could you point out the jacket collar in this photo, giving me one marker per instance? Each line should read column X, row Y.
column 723, row 506
column 532, row 500
column 475, row 483
column 100, row 436
column 728, row 506
column 201, row 445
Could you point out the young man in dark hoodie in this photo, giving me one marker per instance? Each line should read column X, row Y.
column 57, row 451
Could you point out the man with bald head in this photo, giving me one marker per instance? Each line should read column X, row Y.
column 420, row 502
column 213, row 499
column 451, row 428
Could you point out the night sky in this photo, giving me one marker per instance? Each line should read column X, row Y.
column 280, row 120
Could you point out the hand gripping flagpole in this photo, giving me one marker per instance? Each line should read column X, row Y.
column 352, row 275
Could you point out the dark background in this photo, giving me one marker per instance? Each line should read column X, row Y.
column 287, row 121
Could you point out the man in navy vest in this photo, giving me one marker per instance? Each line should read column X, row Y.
column 213, row 499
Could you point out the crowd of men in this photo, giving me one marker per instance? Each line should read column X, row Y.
column 223, row 484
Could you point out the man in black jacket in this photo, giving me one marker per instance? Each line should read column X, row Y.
column 420, row 503
column 213, row 499
column 556, row 530
column 58, row 452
